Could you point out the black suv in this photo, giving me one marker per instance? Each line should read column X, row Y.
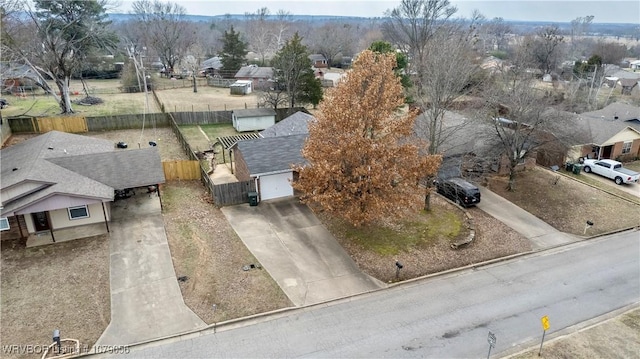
column 458, row 190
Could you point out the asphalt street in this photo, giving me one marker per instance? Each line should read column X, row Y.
column 443, row 316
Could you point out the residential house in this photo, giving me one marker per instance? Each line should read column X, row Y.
column 253, row 119
column 59, row 186
column 18, row 78
column 318, row 61
column 268, row 160
column 634, row 65
column 210, row 67
column 614, row 133
column 296, row 124
column 259, row 76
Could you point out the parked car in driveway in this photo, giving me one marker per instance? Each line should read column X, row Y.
column 611, row 169
column 458, row 190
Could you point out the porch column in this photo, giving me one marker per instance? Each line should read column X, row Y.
column 50, row 226
column 104, row 213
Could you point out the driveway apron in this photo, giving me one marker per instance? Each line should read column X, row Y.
column 541, row 234
column 146, row 301
column 298, row 252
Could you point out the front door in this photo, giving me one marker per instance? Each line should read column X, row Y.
column 40, row 221
column 606, row 152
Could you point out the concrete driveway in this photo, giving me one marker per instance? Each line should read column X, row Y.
column 146, row 302
column 541, row 234
column 298, row 251
column 631, row 188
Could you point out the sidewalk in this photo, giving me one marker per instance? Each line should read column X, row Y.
column 541, row 234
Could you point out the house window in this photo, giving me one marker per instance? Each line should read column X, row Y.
column 626, row 147
column 4, row 224
column 78, row 212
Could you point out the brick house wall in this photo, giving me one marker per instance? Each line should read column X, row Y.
column 241, row 169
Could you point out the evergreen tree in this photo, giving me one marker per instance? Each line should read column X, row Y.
column 293, row 72
column 233, row 53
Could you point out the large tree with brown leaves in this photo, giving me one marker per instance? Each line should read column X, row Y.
column 363, row 162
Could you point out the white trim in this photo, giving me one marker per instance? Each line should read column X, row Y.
column 86, row 208
column 4, row 224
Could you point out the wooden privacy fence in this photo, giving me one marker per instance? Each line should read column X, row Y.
column 181, row 170
column 63, row 124
column 227, row 194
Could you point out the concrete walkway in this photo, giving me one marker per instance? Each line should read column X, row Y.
column 298, row 252
column 541, row 234
column 146, row 302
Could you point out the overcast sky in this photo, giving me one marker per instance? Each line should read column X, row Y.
column 605, row 11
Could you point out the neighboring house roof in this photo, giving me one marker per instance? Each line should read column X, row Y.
column 58, row 163
column 272, row 155
column 629, row 82
column 10, row 70
column 254, row 112
column 603, row 123
column 317, row 57
column 212, row 63
column 460, row 135
column 623, row 74
column 253, row 71
column 296, row 124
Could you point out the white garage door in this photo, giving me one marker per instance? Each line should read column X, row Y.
column 276, row 186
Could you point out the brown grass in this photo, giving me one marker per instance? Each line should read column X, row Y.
column 62, row 286
column 430, row 253
column 568, row 204
column 207, row 250
column 206, row 99
column 616, row 338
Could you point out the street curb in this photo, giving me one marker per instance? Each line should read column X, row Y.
column 568, row 331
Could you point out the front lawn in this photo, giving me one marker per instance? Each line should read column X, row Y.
column 567, row 204
column 422, row 241
column 61, row 286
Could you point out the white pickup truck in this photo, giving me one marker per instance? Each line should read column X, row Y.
column 612, row 170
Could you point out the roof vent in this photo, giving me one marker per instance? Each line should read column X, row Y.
column 50, row 148
column 15, row 169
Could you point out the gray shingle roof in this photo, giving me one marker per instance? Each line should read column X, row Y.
column 118, row 169
column 603, row 125
column 253, row 71
column 58, row 163
column 296, row 124
column 273, row 154
column 254, row 112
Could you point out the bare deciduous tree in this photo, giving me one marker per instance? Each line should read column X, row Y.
column 258, row 32
column 64, row 33
column 522, row 121
column 165, row 30
column 332, row 39
column 413, row 23
column 545, row 48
